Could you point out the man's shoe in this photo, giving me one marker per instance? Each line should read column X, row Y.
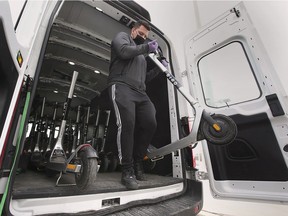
column 128, row 179
column 139, row 171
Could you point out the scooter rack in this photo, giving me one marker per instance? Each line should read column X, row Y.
column 217, row 129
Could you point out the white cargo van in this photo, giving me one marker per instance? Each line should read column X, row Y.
column 48, row 42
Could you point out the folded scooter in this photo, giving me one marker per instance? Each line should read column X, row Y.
column 216, row 129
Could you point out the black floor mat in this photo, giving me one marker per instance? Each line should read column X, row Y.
column 32, row 184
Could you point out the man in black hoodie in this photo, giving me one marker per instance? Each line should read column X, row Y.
column 135, row 113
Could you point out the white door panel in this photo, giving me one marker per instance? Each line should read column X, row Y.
column 231, row 74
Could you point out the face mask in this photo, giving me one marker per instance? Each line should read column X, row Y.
column 139, row 40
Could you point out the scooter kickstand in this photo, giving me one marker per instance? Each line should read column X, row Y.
column 62, row 185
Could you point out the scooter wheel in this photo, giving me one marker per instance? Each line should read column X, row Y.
column 37, row 161
column 113, row 163
column 227, row 134
column 87, row 175
column 104, row 162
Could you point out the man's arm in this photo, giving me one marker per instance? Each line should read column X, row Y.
column 123, row 48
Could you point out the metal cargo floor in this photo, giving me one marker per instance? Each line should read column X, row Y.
column 33, row 184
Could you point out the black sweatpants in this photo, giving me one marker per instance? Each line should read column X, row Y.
column 136, row 122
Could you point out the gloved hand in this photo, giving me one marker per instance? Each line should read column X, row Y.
column 153, row 45
column 164, row 62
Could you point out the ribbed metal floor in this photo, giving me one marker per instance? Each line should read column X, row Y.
column 32, row 184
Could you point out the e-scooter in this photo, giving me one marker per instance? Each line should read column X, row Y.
column 83, row 161
column 37, row 159
column 216, row 129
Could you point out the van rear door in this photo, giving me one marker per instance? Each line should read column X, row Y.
column 231, row 74
column 11, row 73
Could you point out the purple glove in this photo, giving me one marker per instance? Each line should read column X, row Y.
column 164, row 63
column 153, row 45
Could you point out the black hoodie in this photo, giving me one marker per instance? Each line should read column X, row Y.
column 128, row 64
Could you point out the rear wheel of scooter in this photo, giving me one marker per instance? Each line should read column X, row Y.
column 37, row 161
column 113, row 162
column 87, row 175
column 104, row 162
column 227, row 133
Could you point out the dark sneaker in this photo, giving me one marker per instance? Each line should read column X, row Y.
column 129, row 180
column 139, row 171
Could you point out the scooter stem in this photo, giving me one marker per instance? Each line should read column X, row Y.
column 173, row 80
column 57, row 160
column 192, row 137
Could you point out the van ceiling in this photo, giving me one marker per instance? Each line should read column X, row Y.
column 81, row 34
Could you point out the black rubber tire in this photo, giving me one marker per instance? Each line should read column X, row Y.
column 37, row 161
column 87, row 175
column 100, row 137
column 36, row 157
column 227, row 134
column 113, row 162
column 104, row 162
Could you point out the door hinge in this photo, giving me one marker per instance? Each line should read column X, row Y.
column 200, row 175
column 196, row 175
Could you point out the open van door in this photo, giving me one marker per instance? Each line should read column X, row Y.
column 11, row 73
column 231, row 74
column 12, row 97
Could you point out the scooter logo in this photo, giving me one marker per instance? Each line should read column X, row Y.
column 172, row 79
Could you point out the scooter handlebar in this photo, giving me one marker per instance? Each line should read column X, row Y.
column 154, row 57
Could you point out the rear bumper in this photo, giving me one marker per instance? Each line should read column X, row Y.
column 189, row 203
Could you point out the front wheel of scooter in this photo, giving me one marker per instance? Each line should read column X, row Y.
column 226, row 135
column 87, row 175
